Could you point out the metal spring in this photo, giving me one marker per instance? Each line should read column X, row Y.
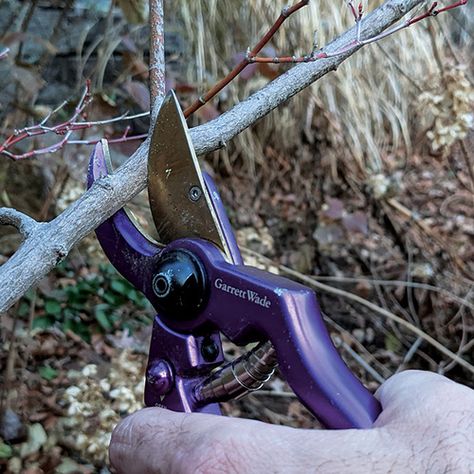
column 239, row 377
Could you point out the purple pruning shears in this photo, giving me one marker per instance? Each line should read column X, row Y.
column 197, row 282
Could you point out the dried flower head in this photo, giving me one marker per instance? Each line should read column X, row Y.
column 95, row 405
column 449, row 109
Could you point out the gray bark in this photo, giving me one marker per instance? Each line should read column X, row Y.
column 49, row 243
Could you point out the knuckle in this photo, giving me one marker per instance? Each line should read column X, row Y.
column 444, row 395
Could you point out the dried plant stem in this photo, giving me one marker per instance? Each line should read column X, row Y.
column 370, row 370
column 371, row 359
column 409, row 284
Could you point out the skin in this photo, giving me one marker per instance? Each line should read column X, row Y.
column 427, row 425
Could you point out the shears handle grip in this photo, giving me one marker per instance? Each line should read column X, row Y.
column 315, row 370
column 250, row 305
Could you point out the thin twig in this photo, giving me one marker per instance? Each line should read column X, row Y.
column 410, row 353
column 285, row 13
column 124, row 138
column 121, row 118
column 370, row 370
column 65, row 129
column 362, row 351
column 411, row 284
column 315, row 55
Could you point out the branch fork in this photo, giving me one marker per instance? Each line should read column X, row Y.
column 25, row 225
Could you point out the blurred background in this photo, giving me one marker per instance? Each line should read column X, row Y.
column 362, row 186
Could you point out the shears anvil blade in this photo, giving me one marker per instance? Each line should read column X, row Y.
column 179, row 199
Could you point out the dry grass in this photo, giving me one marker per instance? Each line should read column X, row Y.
column 370, row 103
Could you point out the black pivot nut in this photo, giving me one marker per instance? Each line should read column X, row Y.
column 180, row 285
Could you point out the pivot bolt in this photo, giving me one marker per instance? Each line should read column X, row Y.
column 160, row 376
column 209, row 350
column 179, row 285
column 161, row 285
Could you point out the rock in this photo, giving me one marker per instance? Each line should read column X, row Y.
column 12, row 428
column 37, row 437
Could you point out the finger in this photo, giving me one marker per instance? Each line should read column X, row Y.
column 416, row 395
column 407, row 385
column 156, row 440
column 153, row 439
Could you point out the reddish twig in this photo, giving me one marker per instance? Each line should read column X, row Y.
column 124, row 138
column 285, row 13
column 64, row 129
column 41, row 129
column 357, row 13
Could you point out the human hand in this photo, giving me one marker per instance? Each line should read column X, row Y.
column 427, row 425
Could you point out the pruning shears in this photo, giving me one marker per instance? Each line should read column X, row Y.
column 196, row 280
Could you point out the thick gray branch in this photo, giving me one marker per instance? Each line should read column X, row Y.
column 52, row 241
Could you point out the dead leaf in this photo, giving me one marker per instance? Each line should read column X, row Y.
column 356, row 222
column 333, row 209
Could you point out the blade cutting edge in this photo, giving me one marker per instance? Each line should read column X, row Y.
column 179, row 200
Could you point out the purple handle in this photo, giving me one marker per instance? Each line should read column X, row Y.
column 249, row 305
column 245, row 304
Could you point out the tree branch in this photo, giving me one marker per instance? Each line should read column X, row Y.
column 25, row 225
column 52, row 241
column 157, row 56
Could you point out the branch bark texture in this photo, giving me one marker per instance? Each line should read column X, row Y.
column 51, row 242
column 157, row 56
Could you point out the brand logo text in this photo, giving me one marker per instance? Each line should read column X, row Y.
column 247, row 295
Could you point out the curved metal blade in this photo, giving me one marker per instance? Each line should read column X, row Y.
column 179, row 199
